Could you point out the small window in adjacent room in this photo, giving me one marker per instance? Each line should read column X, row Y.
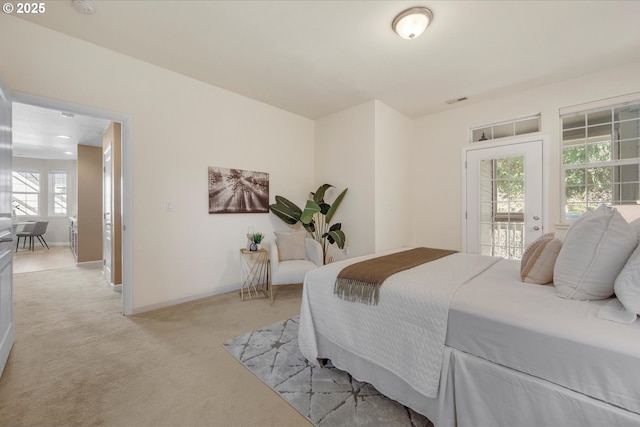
column 58, row 193
column 26, row 193
column 520, row 126
column 600, row 157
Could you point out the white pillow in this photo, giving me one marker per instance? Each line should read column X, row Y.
column 539, row 260
column 594, row 251
column 291, row 245
column 627, row 284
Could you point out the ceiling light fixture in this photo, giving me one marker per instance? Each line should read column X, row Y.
column 67, row 115
column 64, row 137
column 409, row 24
column 84, row 6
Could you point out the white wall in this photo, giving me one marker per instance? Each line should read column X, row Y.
column 392, row 185
column 180, row 126
column 365, row 148
column 58, row 228
column 436, row 154
column 344, row 157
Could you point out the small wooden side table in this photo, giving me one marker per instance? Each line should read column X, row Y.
column 255, row 273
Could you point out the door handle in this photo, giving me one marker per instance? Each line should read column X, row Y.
column 536, row 217
column 536, row 228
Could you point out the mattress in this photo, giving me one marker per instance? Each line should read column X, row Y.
column 528, row 328
column 405, row 333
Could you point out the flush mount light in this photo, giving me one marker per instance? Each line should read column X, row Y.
column 84, row 6
column 412, row 22
column 68, row 153
column 64, row 137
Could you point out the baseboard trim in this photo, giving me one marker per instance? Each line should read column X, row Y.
column 116, row 288
column 218, row 291
column 5, row 346
column 91, row 264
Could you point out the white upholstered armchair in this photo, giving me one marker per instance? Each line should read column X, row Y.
column 292, row 255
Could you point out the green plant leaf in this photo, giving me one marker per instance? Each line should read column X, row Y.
column 324, row 208
column 318, row 196
column 336, row 226
column 310, row 210
column 311, row 227
column 289, row 204
column 285, row 213
column 337, row 237
column 335, row 205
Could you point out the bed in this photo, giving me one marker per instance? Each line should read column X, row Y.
column 503, row 353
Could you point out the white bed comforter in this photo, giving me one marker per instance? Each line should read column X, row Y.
column 392, row 333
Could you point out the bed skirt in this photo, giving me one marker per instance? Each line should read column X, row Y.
column 474, row 391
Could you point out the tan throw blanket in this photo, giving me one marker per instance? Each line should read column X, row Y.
column 361, row 281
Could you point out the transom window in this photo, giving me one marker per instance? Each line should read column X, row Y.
column 601, row 158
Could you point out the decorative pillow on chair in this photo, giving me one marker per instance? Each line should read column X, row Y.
column 595, row 249
column 539, row 260
column 291, row 245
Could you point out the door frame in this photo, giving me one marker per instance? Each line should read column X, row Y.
column 501, row 143
column 126, row 179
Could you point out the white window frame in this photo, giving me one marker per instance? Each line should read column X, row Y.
column 586, row 109
column 18, row 212
column 53, row 193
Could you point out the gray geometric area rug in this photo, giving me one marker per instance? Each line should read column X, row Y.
column 325, row 396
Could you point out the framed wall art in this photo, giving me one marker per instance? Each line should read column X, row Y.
column 238, row 191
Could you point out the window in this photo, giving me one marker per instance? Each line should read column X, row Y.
column 26, row 193
column 521, row 126
column 57, row 193
column 601, row 157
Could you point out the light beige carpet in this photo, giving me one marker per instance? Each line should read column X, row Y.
column 77, row 361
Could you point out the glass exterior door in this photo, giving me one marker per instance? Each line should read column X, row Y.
column 504, row 199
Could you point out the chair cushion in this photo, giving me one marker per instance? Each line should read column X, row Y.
column 290, row 272
column 291, row 245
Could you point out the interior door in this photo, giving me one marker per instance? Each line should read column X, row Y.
column 504, row 199
column 107, row 214
column 6, row 230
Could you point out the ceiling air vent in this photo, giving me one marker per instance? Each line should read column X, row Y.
column 453, row 101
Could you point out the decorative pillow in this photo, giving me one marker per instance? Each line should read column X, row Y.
column 594, row 251
column 539, row 260
column 627, row 284
column 291, row 245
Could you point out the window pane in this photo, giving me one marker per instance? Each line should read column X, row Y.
column 574, row 176
column 477, row 134
column 528, row 126
column 574, row 136
column 599, row 117
column 629, row 149
column 627, row 112
column 573, row 122
column 600, row 175
column 599, row 152
column 628, row 193
column 574, row 155
column 599, row 193
column 501, row 131
column 600, row 133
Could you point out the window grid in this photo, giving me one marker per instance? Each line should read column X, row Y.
column 600, row 158
column 58, row 193
column 26, row 193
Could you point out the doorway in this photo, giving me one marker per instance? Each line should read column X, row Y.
column 125, row 122
column 504, row 197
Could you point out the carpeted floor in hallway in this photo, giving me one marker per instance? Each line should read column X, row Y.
column 77, row 361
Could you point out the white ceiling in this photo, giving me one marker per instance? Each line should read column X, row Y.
column 36, row 132
column 314, row 58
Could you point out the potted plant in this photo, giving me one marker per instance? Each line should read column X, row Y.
column 257, row 238
column 316, row 217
